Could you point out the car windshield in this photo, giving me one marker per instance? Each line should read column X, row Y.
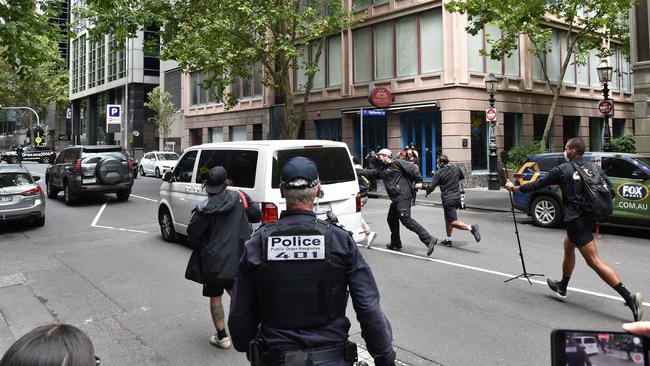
column 15, row 179
column 333, row 163
column 167, row 157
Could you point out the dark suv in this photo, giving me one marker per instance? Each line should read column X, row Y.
column 42, row 154
column 85, row 170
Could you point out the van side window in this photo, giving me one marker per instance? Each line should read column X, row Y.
column 185, row 167
column 241, row 165
column 619, row 168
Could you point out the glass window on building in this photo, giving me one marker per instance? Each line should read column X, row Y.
column 82, row 63
column 492, row 32
column 301, row 70
column 151, row 52
column 328, row 129
column 121, row 62
column 553, row 58
column 509, row 66
column 215, row 134
column 474, row 46
column 362, row 53
column 595, row 134
column 570, row 74
column 101, row 55
column 75, row 65
column 258, row 132
column 257, row 80
column 479, row 130
column 196, row 136
column 112, row 59
column 618, row 127
column 539, row 124
column 511, row 130
column 582, row 72
column 594, row 61
column 570, row 128
column 384, row 62
column 431, row 43
column 334, row 68
column 238, row 133
column 319, row 76
column 92, row 64
column 407, row 46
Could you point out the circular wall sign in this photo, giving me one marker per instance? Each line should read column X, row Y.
column 380, row 97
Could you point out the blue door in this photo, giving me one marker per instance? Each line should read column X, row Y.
column 423, row 130
column 328, row 129
column 374, row 135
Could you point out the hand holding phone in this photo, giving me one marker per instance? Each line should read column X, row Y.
column 587, row 347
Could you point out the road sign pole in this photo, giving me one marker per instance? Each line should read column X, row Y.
column 361, row 137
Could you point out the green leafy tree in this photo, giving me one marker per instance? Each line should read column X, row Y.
column 227, row 37
column 159, row 103
column 589, row 25
column 625, row 144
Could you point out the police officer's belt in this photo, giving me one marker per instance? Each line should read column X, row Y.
column 311, row 356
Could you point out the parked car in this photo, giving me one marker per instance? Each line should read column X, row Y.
column 86, row 170
column 41, row 154
column 21, row 198
column 254, row 167
column 629, row 174
column 158, row 163
column 134, row 163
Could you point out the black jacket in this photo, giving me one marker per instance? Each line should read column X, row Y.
column 448, row 177
column 398, row 176
column 218, row 229
column 569, row 181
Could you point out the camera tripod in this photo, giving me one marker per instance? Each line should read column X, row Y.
column 525, row 274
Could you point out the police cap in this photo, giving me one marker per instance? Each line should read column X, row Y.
column 299, row 167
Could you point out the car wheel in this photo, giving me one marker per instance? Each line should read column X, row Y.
column 45, row 160
column 157, row 172
column 166, row 225
column 38, row 221
column 546, row 212
column 142, row 171
column 51, row 191
column 123, row 195
column 68, row 198
column 14, row 160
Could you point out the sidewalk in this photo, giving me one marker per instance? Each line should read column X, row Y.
column 475, row 198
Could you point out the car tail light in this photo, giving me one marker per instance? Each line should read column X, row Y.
column 269, row 212
column 77, row 165
column 32, row 192
column 358, row 202
column 129, row 163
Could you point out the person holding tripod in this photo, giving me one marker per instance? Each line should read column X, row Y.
column 579, row 223
column 399, row 176
column 448, row 177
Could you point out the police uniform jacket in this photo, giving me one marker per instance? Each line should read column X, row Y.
column 448, row 177
column 245, row 314
column 565, row 176
column 398, row 177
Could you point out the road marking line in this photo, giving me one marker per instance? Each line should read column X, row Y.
column 144, row 198
column 99, row 214
column 496, row 273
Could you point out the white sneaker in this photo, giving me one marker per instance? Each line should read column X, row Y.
column 370, row 238
column 221, row 343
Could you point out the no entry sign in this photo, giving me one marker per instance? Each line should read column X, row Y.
column 490, row 114
column 606, row 107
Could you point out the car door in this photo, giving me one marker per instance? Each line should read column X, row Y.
column 58, row 171
column 182, row 191
column 631, row 186
column 146, row 166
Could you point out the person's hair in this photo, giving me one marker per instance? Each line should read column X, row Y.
column 355, row 160
column 51, row 345
column 303, row 196
column 444, row 160
column 577, row 144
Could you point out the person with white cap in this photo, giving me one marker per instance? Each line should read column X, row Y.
column 218, row 229
column 399, row 176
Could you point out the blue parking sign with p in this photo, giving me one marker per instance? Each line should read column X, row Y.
column 113, row 118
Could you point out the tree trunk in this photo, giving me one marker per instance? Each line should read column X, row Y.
column 291, row 123
column 549, row 121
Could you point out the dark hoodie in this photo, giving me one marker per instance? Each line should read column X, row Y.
column 217, row 231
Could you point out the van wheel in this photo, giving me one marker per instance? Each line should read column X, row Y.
column 167, row 225
column 546, row 212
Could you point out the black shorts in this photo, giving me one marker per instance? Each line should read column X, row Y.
column 450, row 210
column 580, row 230
column 216, row 289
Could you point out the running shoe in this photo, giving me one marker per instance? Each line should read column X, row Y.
column 476, row 233
column 555, row 287
column 431, row 245
column 446, row 242
column 221, row 343
column 637, row 306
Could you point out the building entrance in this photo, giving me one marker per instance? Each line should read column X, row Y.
column 423, row 130
column 374, row 135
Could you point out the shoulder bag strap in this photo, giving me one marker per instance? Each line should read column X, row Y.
column 243, row 199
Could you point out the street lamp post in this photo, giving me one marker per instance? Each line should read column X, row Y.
column 605, row 76
column 491, row 88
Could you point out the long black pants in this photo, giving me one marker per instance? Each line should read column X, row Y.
column 400, row 211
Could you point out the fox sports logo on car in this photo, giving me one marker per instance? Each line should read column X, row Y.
column 633, row 191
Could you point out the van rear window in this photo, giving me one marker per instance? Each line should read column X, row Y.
column 334, row 165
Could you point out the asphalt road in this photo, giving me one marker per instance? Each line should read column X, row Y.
column 103, row 266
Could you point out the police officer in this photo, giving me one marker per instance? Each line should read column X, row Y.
column 290, row 294
column 399, row 177
column 448, row 177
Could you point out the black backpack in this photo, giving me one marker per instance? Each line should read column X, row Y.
column 595, row 199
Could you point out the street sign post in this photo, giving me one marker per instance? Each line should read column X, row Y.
column 113, row 118
column 491, row 115
column 606, row 107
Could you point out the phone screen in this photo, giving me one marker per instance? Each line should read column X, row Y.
column 586, row 347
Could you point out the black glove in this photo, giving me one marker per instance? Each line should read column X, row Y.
column 428, row 188
column 331, row 217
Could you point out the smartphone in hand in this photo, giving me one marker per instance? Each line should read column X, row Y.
column 570, row 347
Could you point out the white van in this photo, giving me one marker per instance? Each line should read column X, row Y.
column 589, row 343
column 254, row 167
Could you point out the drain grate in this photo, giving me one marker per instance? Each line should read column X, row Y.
column 12, row 280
